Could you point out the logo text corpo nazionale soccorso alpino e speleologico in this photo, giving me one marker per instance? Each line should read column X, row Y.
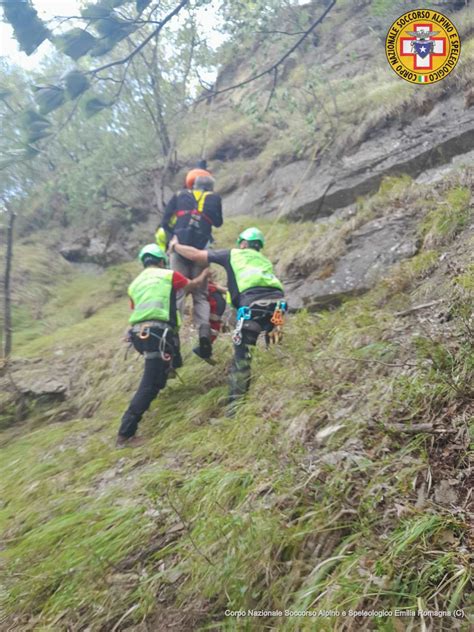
column 423, row 46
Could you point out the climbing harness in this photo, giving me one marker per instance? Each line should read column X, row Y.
column 143, row 332
column 198, row 212
column 277, row 320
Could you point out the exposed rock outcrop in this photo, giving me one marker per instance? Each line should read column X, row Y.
column 46, row 388
column 94, row 250
column 303, row 190
column 370, row 252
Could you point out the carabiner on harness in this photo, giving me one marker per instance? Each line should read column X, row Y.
column 237, row 334
column 243, row 313
column 277, row 318
column 165, row 356
column 144, row 332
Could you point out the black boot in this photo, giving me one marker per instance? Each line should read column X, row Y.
column 128, row 425
column 177, row 361
column 205, row 344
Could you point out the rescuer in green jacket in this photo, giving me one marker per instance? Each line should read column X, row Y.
column 255, row 292
column 154, row 332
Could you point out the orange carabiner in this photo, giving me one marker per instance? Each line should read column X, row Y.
column 144, row 333
column 277, row 318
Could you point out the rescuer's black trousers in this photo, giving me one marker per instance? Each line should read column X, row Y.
column 240, row 371
column 153, row 380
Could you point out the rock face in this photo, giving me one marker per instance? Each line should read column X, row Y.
column 45, row 388
column 306, row 191
column 37, row 382
column 370, row 252
column 94, row 250
column 30, row 384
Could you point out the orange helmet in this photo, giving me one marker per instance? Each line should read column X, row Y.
column 193, row 174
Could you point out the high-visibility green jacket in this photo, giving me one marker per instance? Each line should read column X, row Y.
column 151, row 294
column 252, row 269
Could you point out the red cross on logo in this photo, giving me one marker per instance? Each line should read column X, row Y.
column 423, row 47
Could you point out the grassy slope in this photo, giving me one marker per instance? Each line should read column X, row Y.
column 313, row 497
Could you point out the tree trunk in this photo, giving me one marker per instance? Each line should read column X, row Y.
column 7, row 323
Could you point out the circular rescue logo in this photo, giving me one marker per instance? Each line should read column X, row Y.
column 423, row 46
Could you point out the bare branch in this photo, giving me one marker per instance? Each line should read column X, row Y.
column 279, row 33
column 152, row 35
column 158, row 116
column 272, row 91
column 7, row 324
column 112, row 79
column 204, row 84
column 188, row 530
column 417, row 308
column 274, row 66
column 417, row 428
column 122, row 81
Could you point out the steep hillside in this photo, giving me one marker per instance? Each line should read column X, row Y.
column 336, row 108
column 343, row 486
column 343, row 483
column 335, row 123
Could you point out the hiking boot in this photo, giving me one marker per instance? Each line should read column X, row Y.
column 129, row 442
column 234, row 404
column 205, row 344
column 177, row 361
column 208, row 359
column 205, row 348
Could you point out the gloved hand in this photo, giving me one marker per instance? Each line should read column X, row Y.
column 161, row 238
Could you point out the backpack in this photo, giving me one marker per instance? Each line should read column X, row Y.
column 194, row 225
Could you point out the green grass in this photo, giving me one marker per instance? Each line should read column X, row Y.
column 308, row 499
column 450, row 217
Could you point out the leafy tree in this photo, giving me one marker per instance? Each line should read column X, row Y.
column 94, row 160
column 105, row 24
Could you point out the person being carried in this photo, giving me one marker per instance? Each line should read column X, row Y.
column 154, row 332
column 165, row 230
column 190, row 215
column 255, row 292
column 217, row 303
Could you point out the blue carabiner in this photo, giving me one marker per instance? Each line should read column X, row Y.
column 244, row 313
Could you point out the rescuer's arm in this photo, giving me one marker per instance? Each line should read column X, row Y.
column 181, row 282
column 198, row 281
